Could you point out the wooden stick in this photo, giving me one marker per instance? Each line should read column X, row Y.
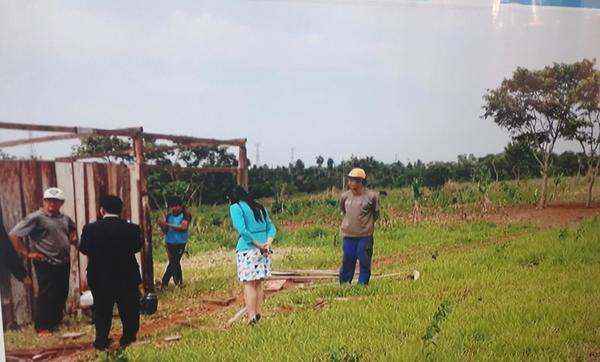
column 237, row 316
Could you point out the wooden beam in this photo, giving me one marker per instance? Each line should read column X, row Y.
column 59, row 137
column 145, row 217
column 95, row 155
column 188, row 139
column 130, row 152
column 200, row 170
column 242, row 175
column 126, row 132
column 182, row 146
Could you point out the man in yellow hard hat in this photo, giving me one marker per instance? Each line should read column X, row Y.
column 360, row 208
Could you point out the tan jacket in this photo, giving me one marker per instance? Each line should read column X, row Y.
column 360, row 213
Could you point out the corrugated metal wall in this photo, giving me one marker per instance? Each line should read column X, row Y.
column 21, row 187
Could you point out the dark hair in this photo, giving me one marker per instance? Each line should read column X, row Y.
column 174, row 201
column 237, row 194
column 111, row 204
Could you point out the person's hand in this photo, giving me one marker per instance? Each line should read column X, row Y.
column 265, row 249
column 34, row 255
column 162, row 223
column 27, row 281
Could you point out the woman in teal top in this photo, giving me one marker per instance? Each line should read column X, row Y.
column 252, row 222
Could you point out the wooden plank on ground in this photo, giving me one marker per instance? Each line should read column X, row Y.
column 274, row 285
column 65, row 182
column 237, row 316
column 306, row 272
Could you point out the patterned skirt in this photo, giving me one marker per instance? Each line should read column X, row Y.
column 252, row 265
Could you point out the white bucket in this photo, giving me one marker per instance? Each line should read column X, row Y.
column 86, row 299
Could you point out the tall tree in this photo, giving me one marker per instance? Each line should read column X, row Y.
column 588, row 119
column 535, row 107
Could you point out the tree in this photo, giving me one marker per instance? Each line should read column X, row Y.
column 535, row 107
column 330, row 163
column 519, row 156
column 192, row 187
column 320, row 161
column 436, row 175
column 5, row 156
column 103, row 144
column 588, row 119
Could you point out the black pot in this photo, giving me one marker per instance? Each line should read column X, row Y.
column 149, row 303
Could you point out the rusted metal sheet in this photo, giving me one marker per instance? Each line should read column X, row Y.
column 12, row 212
column 92, row 205
column 65, row 181
column 82, row 216
column 10, row 207
column 23, row 183
column 48, row 173
column 145, row 222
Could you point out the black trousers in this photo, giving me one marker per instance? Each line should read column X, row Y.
column 53, row 288
column 128, row 303
column 175, row 252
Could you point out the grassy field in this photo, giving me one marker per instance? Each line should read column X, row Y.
column 488, row 290
column 532, row 297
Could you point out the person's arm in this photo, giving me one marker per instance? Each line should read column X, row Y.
column 84, row 246
column 72, row 233
column 239, row 224
column 185, row 224
column 163, row 224
column 271, row 231
column 16, row 235
column 375, row 206
column 343, row 204
column 21, row 249
column 136, row 238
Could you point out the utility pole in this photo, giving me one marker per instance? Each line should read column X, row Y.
column 292, row 156
column 31, row 147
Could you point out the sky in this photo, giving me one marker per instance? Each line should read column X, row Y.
column 393, row 79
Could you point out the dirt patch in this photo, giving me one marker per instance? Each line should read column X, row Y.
column 552, row 215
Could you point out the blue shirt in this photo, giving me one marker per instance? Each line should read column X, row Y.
column 174, row 236
column 249, row 229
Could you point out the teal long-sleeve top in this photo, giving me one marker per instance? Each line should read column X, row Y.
column 248, row 228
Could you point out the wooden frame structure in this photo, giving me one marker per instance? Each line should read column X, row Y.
column 80, row 179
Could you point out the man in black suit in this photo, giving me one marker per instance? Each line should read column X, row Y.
column 113, row 272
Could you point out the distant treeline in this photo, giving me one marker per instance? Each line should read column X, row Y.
column 516, row 162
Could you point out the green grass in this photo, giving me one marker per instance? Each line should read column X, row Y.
column 533, row 297
column 487, row 292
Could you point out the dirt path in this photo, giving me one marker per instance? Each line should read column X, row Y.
column 553, row 215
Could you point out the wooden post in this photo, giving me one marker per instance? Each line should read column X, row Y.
column 144, row 207
column 242, row 175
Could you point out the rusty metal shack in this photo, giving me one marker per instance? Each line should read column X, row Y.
column 23, row 182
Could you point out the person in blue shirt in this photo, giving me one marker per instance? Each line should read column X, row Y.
column 256, row 233
column 175, row 226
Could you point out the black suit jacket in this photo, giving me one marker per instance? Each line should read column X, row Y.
column 111, row 244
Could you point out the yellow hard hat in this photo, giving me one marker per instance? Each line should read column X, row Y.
column 357, row 173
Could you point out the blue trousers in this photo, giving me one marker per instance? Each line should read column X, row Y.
column 360, row 248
